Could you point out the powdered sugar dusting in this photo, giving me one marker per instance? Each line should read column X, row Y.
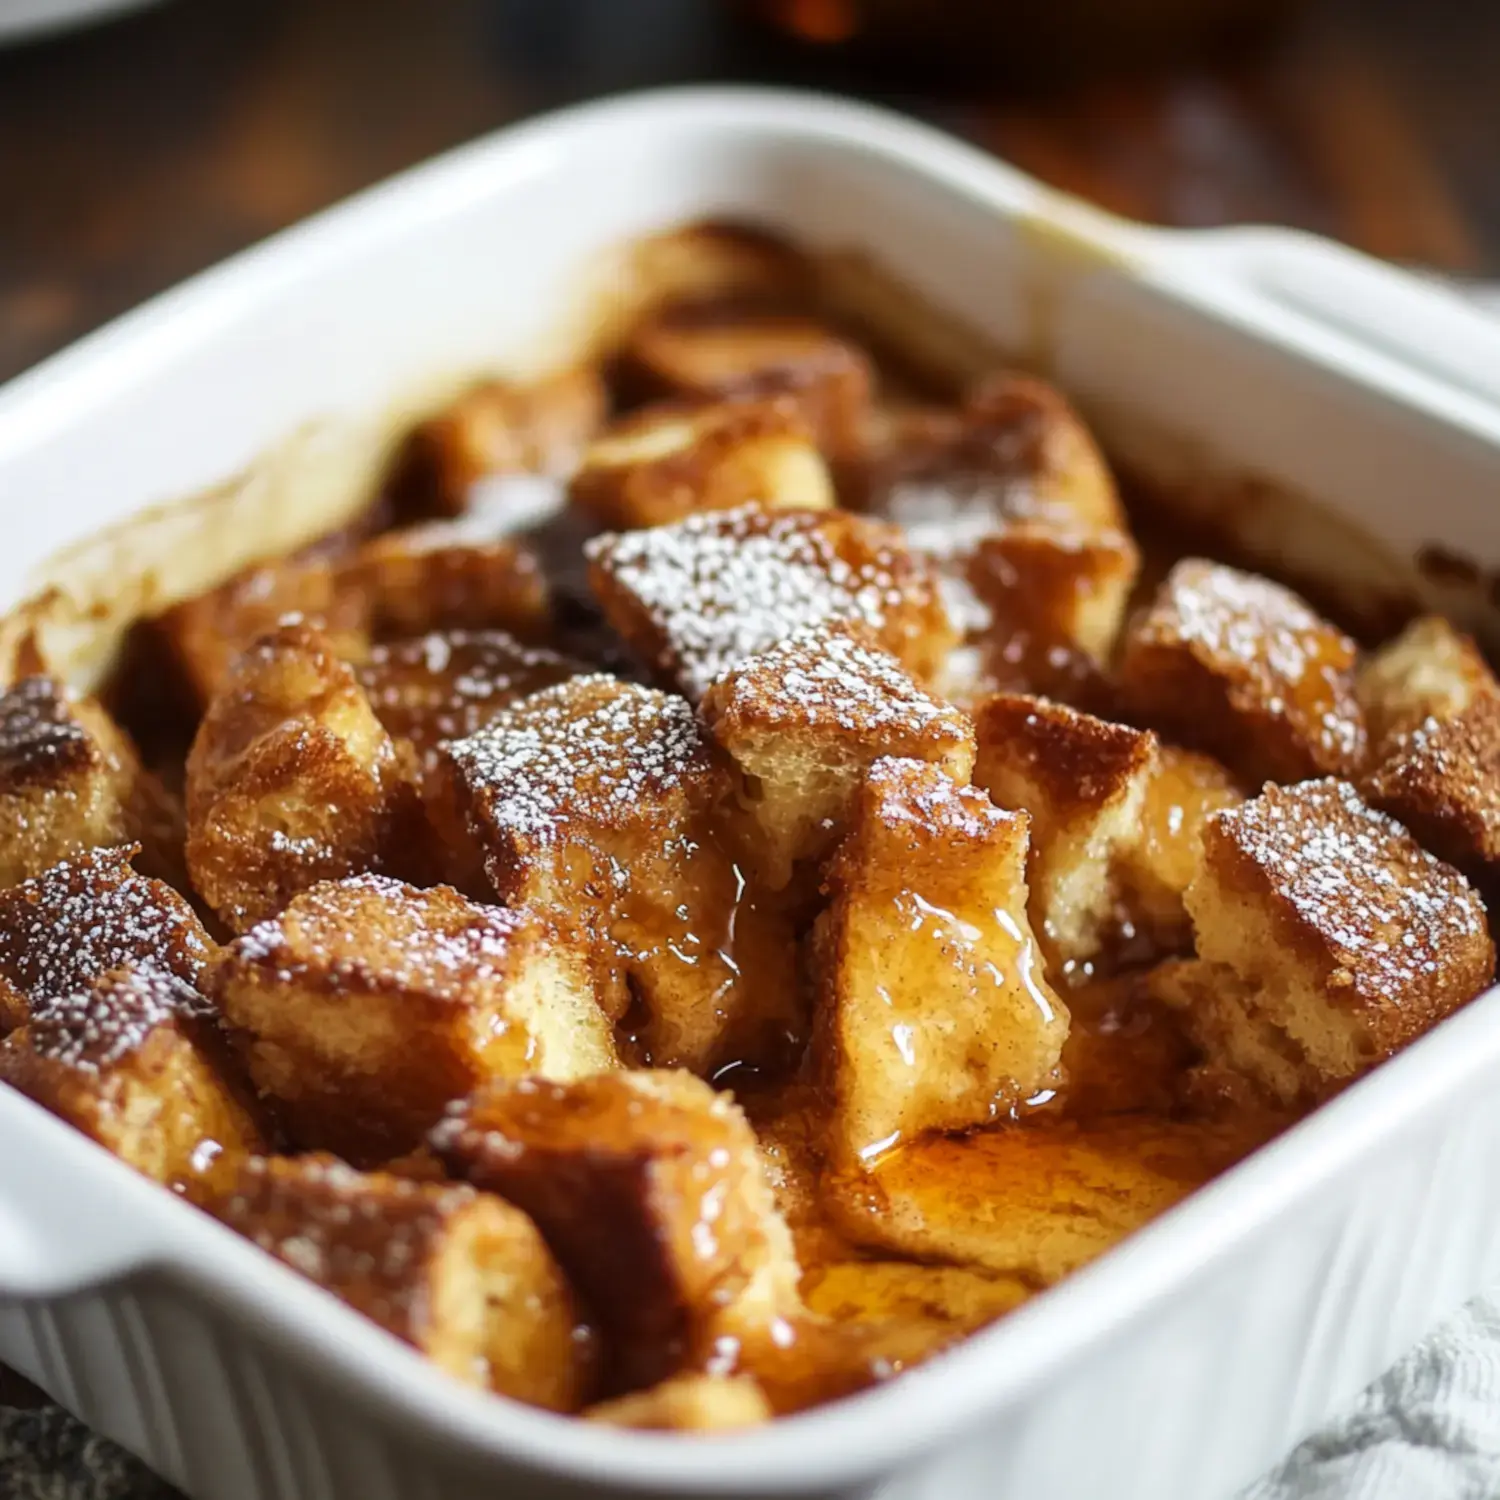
column 85, row 917
column 720, row 586
column 1387, row 909
column 593, row 747
column 94, row 1029
column 38, row 732
column 911, row 791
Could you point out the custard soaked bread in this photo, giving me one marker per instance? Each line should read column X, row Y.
column 462, row 1276
column 804, row 719
column 367, row 1005
column 667, row 462
column 694, row 599
column 1328, row 939
column 1240, row 667
column 932, row 1010
column 650, row 1191
column 597, row 801
column 70, row 782
column 135, row 1061
column 291, row 780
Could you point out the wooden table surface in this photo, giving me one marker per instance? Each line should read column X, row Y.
column 137, row 153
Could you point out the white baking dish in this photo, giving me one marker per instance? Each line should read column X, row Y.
column 1181, row 1364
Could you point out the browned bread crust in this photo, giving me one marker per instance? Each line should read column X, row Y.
column 689, row 1403
column 695, row 598
column 1241, row 667
column 462, row 1276
column 368, row 1005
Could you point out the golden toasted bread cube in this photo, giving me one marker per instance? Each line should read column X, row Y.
column 1328, row 939
column 695, row 598
column 367, row 1005
column 460, row 1275
column 135, row 1062
column 1039, row 1201
column 689, row 1403
column 650, row 1190
column 595, row 801
column 1059, row 587
column 685, row 354
column 71, row 781
column 450, row 575
column 1084, row 781
column 291, row 780
column 448, row 684
column 1242, row 668
column 495, row 427
column 85, row 918
column 1441, row 778
column 664, row 463
column 205, row 635
column 1429, row 671
column 898, row 1291
column 1183, row 789
column 804, row 719
column 933, row 1013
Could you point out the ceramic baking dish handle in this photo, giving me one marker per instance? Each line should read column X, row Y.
column 52, row 1243
column 1372, row 308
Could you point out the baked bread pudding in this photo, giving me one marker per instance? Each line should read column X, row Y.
column 696, row 947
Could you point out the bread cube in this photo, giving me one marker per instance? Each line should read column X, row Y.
column 367, row 1005
column 650, row 1191
column 459, row 1275
column 1237, row 666
column 449, row 684
column 1183, row 790
column 1327, row 939
column 205, row 635
column 667, row 462
column 804, row 719
column 71, row 781
column 134, row 1060
column 1084, row 781
column 496, row 426
column 932, row 1011
column 1429, row 671
column 701, row 354
column 695, row 598
column 689, row 1403
column 595, row 801
column 85, row 918
column 291, row 780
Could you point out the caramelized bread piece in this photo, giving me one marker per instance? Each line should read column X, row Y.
column 84, row 918
column 495, row 427
column 70, row 781
column 695, row 598
column 664, row 463
column 933, row 1012
column 1430, row 671
column 205, row 635
column 1039, row 1201
column 291, row 780
column 1441, row 779
column 448, row 684
column 367, row 1005
column 460, row 1275
column 135, row 1062
column 709, row 354
column 595, row 801
column 689, row 1403
column 1240, row 667
column 450, row 575
column 650, row 1191
column 803, row 720
column 1327, row 940
column 959, row 1299
column 1084, row 781
column 1182, row 791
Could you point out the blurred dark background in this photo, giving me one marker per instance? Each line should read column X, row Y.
column 137, row 152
